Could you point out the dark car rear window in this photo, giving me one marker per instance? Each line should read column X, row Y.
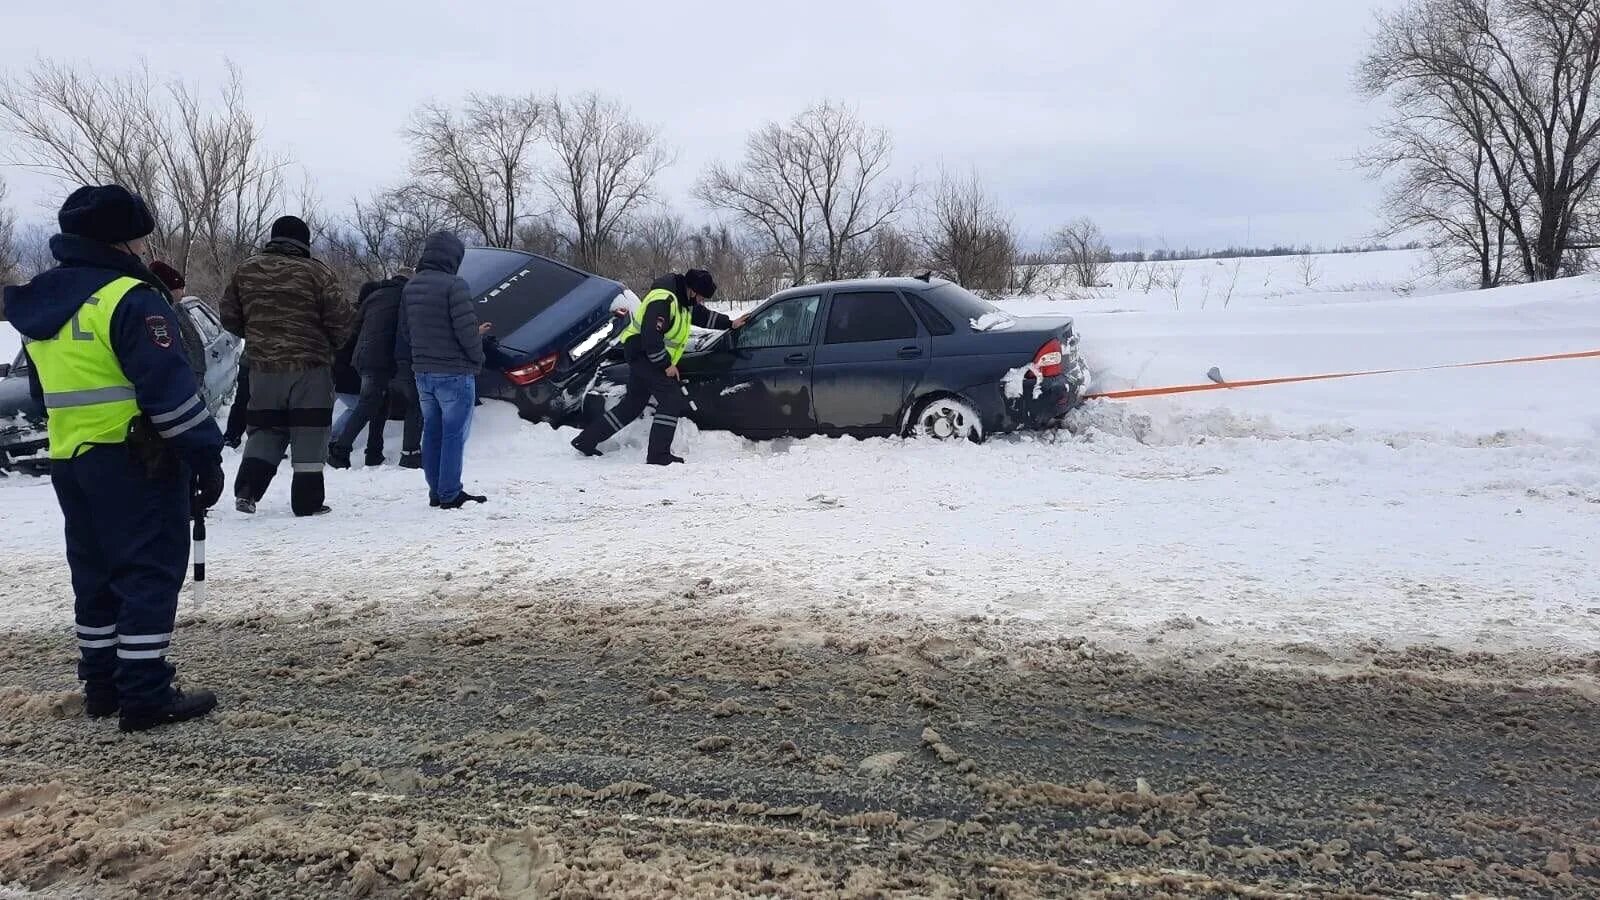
column 936, row 322
column 869, row 316
column 958, row 303
column 523, row 286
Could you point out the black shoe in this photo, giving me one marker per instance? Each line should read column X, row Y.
column 245, row 506
column 462, row 499
column 665, row 459
column 181, row 708
column 433, row 499
column 338, row 457
column 100, row 700
column 585, row 448
column 232, row 443
column 319, row 511
column 375, row 459
column 411, row 459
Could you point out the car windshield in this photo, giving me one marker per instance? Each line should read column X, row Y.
column 960, row 304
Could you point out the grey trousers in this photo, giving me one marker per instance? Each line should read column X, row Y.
column 289, row 412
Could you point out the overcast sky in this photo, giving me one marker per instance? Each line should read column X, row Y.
column 1171, row 122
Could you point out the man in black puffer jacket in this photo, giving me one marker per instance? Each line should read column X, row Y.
column 374, row 358
column 439, row 326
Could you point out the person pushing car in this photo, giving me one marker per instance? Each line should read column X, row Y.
column 653, row 342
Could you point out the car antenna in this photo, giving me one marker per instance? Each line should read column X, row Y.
column 926, row 277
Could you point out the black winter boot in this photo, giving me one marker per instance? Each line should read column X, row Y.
column 375, row 459
column 462, row 499
column 338, row 457
column 255, row 475
column 665, row 459
column 587, row 449
column 411, row 459
column 306, row 494
column 181, row 708
column 100, row 699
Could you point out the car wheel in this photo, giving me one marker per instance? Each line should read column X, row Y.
column 947, row 418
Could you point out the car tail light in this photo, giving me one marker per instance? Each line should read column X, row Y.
column 528, row 373
column 1048, row 359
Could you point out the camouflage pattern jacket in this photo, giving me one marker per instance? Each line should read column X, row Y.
column 288, row 307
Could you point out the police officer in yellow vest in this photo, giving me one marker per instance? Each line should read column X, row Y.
column 654, row 342
column 134, row 451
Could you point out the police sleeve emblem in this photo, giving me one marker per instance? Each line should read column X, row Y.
column 160, row 333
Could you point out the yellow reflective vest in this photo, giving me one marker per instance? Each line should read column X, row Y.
column 86, row 394
column 677, row 333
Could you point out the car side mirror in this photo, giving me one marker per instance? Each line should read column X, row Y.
column 5, row 369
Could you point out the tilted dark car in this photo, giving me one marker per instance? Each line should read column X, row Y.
column 881, row 356
column 23, row 437
column 554, row 324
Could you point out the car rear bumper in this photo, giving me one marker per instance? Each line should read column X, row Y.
column 1042, row 403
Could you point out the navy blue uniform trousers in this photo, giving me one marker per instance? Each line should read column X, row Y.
column 128, row 548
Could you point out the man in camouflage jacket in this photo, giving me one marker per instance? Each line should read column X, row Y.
column 293, row 316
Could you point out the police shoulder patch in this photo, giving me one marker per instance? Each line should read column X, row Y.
column 160, row 332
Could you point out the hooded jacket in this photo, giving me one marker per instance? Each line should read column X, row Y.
column 288, row 307
column 142, row 329
column 379, row 326
column 438, row 324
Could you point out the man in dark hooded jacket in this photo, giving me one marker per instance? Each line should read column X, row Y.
column 440, row 329
column 377, row 326
column 653, row 343
column 293, row 316
column 134, row 451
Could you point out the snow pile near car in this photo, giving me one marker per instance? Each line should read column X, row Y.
column 1455, row 508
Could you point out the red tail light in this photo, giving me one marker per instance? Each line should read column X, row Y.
column 527, row 374
column 1048, row 359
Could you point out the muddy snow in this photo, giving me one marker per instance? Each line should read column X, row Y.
column 1340, row 637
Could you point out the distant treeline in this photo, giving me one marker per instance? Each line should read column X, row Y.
column 1165, row 255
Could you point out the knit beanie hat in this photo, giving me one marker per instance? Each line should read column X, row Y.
column 293, row 228
column 110, row 214
column 701, row 282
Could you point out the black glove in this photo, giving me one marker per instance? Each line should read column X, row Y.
column 207, row 487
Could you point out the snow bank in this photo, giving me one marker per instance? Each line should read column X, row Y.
column 1456, row 508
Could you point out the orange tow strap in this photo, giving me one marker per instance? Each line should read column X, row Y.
column 1257, row 382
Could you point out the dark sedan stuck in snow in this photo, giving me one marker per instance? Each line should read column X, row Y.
column 554, row 324
column 883, row 356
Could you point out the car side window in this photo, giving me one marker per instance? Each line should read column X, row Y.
column 787, row 323
column 936, row 322
column 869, row 316
column 210, row 329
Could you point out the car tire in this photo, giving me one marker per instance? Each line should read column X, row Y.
column 947, row 418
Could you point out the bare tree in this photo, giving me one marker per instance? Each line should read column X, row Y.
column 893, row 252
column 10, row 258
column 1169, row 277
column 1082, row 246
column 202, row 165
column 1497, row 123
column 846, row 171
column 605, row 171
column 814, row 189
column 1308, row 269
column 767, row 192
column 744, row 271
column 966, row 237
column 479, row 162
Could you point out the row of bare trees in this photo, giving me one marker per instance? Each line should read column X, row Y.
column 200, row 162
column 813, row 197
column 1494, row 144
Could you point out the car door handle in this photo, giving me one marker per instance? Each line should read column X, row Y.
column 910, row 353
column 796, row 358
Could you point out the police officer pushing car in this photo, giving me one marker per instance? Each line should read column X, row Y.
column 134, row 451
column 653, row 343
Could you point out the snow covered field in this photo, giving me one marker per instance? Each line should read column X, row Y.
column 1457, row 507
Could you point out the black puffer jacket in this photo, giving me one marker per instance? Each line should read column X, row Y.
column 380, row 319
column 439, row 321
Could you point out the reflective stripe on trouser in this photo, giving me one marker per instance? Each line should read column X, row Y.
column 644, row 382
column 128, row 549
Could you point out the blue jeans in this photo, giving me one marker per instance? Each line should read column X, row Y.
column 447, row 402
